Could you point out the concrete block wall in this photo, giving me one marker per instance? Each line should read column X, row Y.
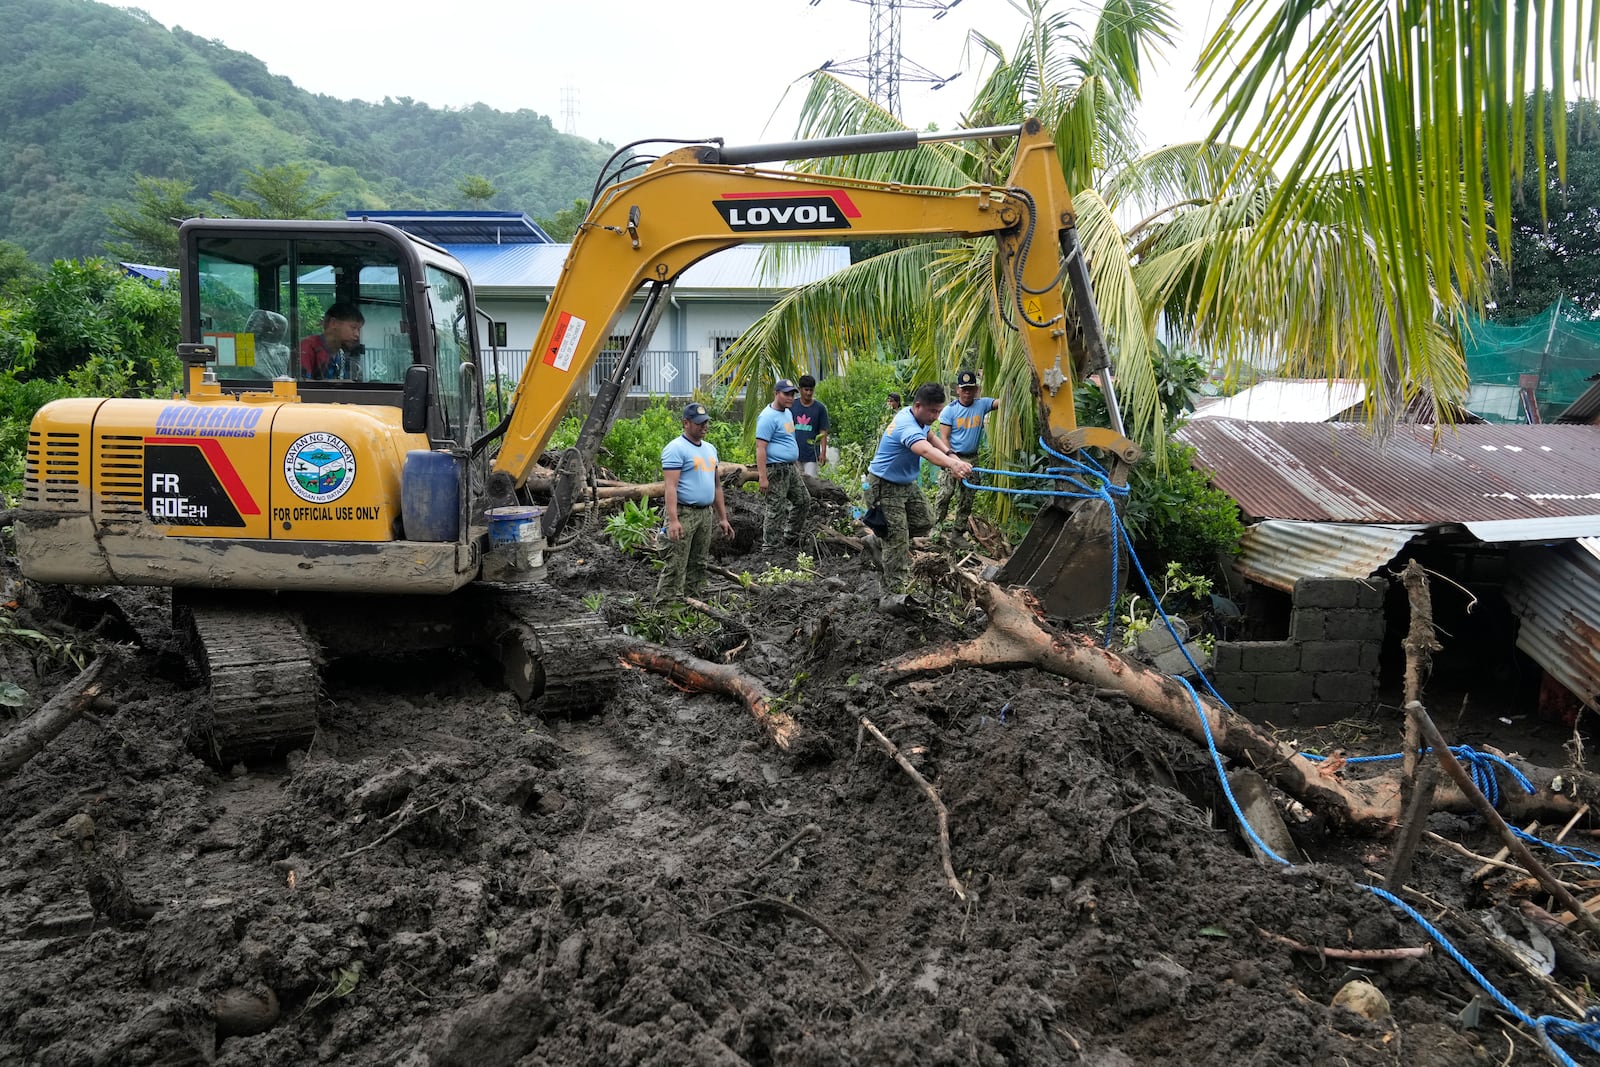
column 1326, row 670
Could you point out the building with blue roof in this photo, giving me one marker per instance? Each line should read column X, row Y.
column 514, row 267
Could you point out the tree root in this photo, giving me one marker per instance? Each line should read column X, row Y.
column 799, row 913
column 933, row 795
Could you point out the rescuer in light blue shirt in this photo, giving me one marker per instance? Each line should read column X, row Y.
column 892, row 481
column 778, row 470
column 693, row 493
column 960, row 431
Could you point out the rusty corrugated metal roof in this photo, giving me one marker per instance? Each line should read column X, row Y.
column 1336, row 472
column 1278, row 553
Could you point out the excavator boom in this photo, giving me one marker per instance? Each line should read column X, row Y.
column 647, row 230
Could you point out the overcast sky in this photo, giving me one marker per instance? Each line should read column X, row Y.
column 634, row 68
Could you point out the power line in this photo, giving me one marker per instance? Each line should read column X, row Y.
column 569, row 109
column 884, row 66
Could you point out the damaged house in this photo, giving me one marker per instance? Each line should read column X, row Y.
column 1505, row 517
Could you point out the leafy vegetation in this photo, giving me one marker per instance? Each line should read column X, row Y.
column 93, row 98
column 632, row 449
column 634, row 527
column 1175, row 515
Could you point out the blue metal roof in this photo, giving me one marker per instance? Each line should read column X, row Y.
column 147, row 272
column 462, row 227
column 529, row 266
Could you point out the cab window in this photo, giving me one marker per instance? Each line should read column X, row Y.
column 264, row 303
column 452, row 336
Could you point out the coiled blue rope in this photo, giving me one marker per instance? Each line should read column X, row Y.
column 1483, row 765
column 1088, row 481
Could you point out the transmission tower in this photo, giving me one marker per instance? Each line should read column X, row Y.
column 884, row 66
column 569, row 109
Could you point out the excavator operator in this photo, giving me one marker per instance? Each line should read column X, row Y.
column 336, row 352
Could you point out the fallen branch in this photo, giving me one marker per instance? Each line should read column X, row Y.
column 59, row 712
column 1364, row 955
column 1453, row 768
column 706, row 677
column 732, row 475
column 799, row 913
column 403, row 819
column 933, row 795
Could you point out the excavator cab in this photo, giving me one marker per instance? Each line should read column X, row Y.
column 261, row 297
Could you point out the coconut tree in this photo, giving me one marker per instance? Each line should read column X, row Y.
column 932, row 301
column 1175, row 239
column 1406, row 104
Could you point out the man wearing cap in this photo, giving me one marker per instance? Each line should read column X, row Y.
column 959, row 432
column 892, row 480
column 694, row 492
column 778, row 469
column 810, row 426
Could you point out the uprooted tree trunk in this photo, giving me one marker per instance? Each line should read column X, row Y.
column 1015, row 638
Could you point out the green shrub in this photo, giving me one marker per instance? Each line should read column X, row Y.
column 1176, row 516
column 856, row 415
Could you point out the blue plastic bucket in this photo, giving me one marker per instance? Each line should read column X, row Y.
column 430, row 496
column 510, row 525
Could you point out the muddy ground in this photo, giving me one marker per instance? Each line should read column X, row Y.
column 445, row 879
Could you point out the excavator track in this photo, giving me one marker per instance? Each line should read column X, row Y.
column 558, row 657
column 261, row 670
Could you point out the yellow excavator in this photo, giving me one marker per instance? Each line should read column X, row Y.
column 304, row 504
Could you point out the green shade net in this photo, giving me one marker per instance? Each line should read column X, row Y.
column 1561, row 349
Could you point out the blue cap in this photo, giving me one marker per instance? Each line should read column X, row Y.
column 785, row 386
column 696, row 413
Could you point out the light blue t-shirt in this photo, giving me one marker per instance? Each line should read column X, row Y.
column 895, row 462
column 697, row 484
column 776, row 428
column 966, row 423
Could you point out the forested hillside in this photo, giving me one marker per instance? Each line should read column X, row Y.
column 92, row 96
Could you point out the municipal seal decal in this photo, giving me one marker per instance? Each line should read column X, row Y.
column 320, row 468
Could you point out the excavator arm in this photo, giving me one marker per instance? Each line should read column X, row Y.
column 693, row 202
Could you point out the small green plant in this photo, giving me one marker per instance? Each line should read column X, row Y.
column 662, row 622
column 805, row 569
column 1179, row 590
column 592, row 601
column 344, row 982
column 632, row 528
column 47, row 652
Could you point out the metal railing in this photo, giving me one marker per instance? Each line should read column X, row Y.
column 661, row 371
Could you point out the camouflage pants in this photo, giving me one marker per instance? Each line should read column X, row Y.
column 906, row 510
column 685, row 570
column 788, row 502
column 950, row 486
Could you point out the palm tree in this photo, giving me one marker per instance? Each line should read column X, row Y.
column 1414, row 102
column 1204, row 257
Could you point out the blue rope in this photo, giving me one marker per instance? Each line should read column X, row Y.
column 1547, row 1027
column 1482, row 765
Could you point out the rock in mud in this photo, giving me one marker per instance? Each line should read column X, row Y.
column 243, row 1012
column 1363, row 998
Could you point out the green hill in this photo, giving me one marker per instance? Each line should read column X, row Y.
column 92, row 96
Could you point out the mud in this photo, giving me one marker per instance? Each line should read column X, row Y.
column 445, row 879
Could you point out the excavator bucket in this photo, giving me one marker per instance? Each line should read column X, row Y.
column 1072, row 558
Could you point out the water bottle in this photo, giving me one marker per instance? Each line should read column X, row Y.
column 861, row 509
